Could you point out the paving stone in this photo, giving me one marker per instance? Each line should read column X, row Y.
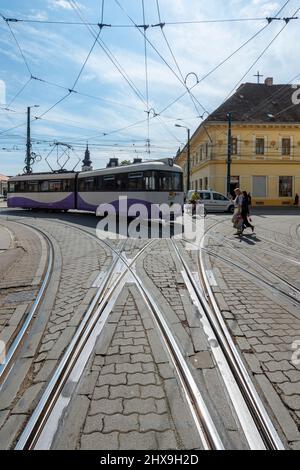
column 3, row 416
column 117, row 359
column 112, row 379
column 101, row 392
column 99, row 441
column 141, row 358
column 106, row 406
column 88, row 383
column 253, row 363
column 141, row 406
column 9, row 432
column 141, row 379
column 28, row 400
column 293, row 402
column 128, row 368
column 243, row 344
column 104, row 340
column 121, row 423
column 138, row 441
column 276, row 377
column 167, row 440
column 278, row 366
column 154, row 422
column 125, row 391
column 290, row 388
column 293, row 375
column 166, row 371
column 282, row 415
column 93, row 424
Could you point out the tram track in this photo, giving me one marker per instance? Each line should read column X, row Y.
column 202, row 419
column 293, row 292
column 24, row 327
column 261, row 421
column 204, row 424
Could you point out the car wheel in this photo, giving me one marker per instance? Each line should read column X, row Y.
column 231, row 210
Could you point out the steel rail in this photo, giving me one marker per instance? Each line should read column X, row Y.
column 11, row 353
column 264, row 268
column 41, row 413
column 203, row 421
column 256, row 407
column 206, row 428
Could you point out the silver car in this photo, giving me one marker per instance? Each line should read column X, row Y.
column 213, row 201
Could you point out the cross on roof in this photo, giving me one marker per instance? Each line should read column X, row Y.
column 259, row 76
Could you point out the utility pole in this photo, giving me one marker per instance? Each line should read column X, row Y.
column 229, row 153
column 188, row 160
column 188, row 155
column 29, row 155
column 28, row 168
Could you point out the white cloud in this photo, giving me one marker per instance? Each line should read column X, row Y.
column 2, row 92
column 60, row 4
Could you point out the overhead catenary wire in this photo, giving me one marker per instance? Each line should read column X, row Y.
column 139, row 28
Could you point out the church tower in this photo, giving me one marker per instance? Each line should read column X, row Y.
column 87, row 163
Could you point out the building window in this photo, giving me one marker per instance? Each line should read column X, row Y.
column 259, row 186
column 285, row 186
column 260, row 146
column 286, row 147
column 201, row 153
column 205, row 183
column 234, row 146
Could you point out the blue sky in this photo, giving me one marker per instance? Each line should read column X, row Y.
column 56, row 53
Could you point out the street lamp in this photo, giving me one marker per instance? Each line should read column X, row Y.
column 28, row 168
column 188, row 155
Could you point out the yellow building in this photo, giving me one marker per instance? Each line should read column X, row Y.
column 265, row 145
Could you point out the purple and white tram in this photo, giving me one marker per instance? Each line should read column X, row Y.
column 148, row 183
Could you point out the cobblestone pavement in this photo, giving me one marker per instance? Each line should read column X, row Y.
column 78, row 261
column 23, row 257
column 265, row 327
column 128, row 396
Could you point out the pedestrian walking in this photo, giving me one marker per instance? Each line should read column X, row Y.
column 237, row 218
column 296, row 203
column 194, row 201
column 249, row 197
column 246, row 212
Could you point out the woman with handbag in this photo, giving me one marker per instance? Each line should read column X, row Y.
column 237, row 218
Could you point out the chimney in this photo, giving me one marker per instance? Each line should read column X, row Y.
column 269, row 81
column 137, row 160
column 113, row 162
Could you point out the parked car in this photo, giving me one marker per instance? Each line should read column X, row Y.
column 213, row 201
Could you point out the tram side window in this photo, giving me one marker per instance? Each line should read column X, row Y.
column 12, row 187
column 121, row 181
column 135, row 181
column 149, row 180
column 32, row 186
column 67, row 186
column 55, row 186
column 165, row 181
column 109, row 183
column 44, row 186
column 177, row 182
column 89, row 184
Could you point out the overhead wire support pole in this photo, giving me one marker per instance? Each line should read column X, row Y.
column 28, row 168
column 229, row 153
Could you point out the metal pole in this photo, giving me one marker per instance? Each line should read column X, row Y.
column 188, row 161
column 28, row 144
column 229, row 154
